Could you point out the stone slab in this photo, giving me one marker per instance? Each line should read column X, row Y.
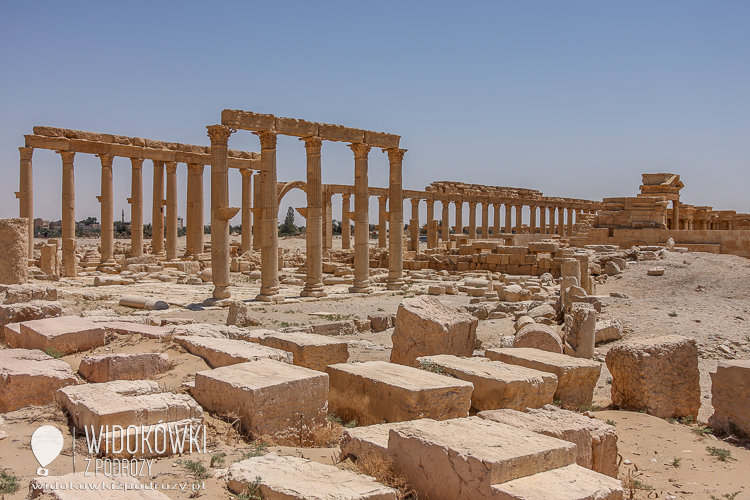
column 224, row 352
column 132, row 328
column 66, row 334
column 108, row 367
column 572, row 482
column 369, row 438
column 730, row 389
column 30, row 377
column 270, row 397
column 376, row 392
column 576, row 377
column 293, row 478
column 126, row 492
column 496, row 384
column 308, row 349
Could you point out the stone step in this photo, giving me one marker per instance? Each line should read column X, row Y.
column 224, row 352
column 572, row 482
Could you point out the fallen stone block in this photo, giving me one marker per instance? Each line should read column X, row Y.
column 27, row 292
column 655, row 271
column 496, row 385
column 112, row 280
column 108, row 367
column 544, row 313
column 296, row 478
column 143, row 303
column 576, row 377
column 357, row 441
column 14, row 252
column 539, row 336
column 730, row 390
column 657, row 375
column 436, row 290
column 596, row 441
column 346, row 327
column 241, row 315
column 122, row 487
column 380, row 322
column 424, row 326
column 66, row 334
column 132, row 328
column 580, row 331
column 430, row 455
column 224, row 352
column 28, row 311
column 269, row 397
column 375, row 392
column 523, row 321
column 571, row 482
column 308, row 349
column 612, row 269
column 30, row 377
column 608, row 330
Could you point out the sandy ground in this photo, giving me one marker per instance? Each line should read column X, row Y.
column 702, row 296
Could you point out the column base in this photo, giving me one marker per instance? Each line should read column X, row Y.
column 314, row 290
column 269, row 298
column 360, row 289
column 397, row 284
column 221, row 292
column 217, row 302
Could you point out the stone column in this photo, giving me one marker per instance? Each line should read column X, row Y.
column 485, row 220
column 195, row 209
column 561, row 221
column 571, row 211
column 459, row 227
column 532, row 219
column 346, row 225
column 269, row 205
column 543, row 220
column 382, row 227
column 157, row 214
column 247, row 209
column 676, row 214
column 328, row 221
column 136, row 207
column 70, row 266
column 361, row 220
column 431, row 228
column 396, row 220
column 508, row 228
column 496, row 222
column 414, row 224
column 314, row 221
column 257, row 232
column 220, row 211
column 171, row 210
column 446, row 220
column 25, row 194
column 552, row 220
column 472, row 220
column 107, row 209
column 519, row 219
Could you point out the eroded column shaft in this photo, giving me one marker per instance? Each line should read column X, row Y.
column 269, row 205
column 382, row 222
column 314, row 221
column 361, row 220
column 473, row 220
column 194, row 233
column 25, row 193
column 136, row 207
column 157, row 213
column 414, row 225
column 247, row 206
column 219, row 136
column 70, row 268
column 446, row 222
column 107, row 209
column 396, row 220
column 171, row 210
column 346, row 224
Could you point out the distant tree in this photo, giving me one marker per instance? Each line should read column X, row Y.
column 287, row 228
column 147, row 231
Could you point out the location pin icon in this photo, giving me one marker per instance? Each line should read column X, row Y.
column 46, row 443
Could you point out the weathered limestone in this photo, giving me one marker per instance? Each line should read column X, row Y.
column 346, row 225
column 296, row 478
column 49, row 263
column 68, row 222
column 595, row 440
column 143, row 303
column 66, row 334
column 25, row 196
column 224, row 352
column 309, row 350
column 357, row 441
column 382, row 221
column 446, row 221
column 376, row 391
column 730, row 397
column 430, row 453
column 27, row 292
column 247, row 209
column 270, row 397
column 241, row 315
column 571, row 482
column 396, row 220
column 157, row 209
column 221, row 212
column 539, row 336
column 129, row 328
column 27, row 311
column 136, row 207
column 496, row 385
column 608, row 330
column 580, row 331
column 424, row 326
column 30, row 377
column 658, row 375
column 107, row 211
column 108, row 367
column 14, row 260
column 576, row 377
column 257, row 223
column 361, row 220
column 194, row 236
column 171, row 250
column 314, row 220
column 118, row 488
column 380, row 322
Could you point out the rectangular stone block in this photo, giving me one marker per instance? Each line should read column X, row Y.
column 430, row 454
column 309, row 350
column 370, row 438
column 247, row 120
column 224, row 352
column 66, row 334
column 298, row 128
column 26, row 293
column 576, row 377
column 572, row 482
column 381, row 139
column 270, row 397
column 730, row 390
column 132, row 328
column 340, row 133
column 375, row 392
column 496, row 385
column 108, row 367
column 30, row 377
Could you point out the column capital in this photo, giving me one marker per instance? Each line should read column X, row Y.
column 360, row 149
column 105, row 159
column 246, row 172
column 430, row 203
column 267, row 139
column 472, row 204
column 171, row 167
column 67, row 156
column 312, row 145
column 395, row 155
column 382, row 199
column 219, row 134
column 136, row 163
column 158, row 163
column 415, row 201
column 346, row 197
column 196, row 166
column 26, row 152
column 458, row 203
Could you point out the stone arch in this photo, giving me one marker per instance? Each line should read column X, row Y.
column 282, row 188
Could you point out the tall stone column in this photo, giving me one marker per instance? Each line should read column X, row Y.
column 543, row 219
column 496, row 221
column 70, row 266
column 25, row 194
column 328, row 221
column 257, row 223
column 157, row 213
column 552, row 220
column 485, row 220
column 361, row 220
column 446, row 220
column 171, row 210
column 532, row 219
column 414, row 225
column 676, row 214
column 431, row 227
column 519, row 219
column 508, row 228
column 396, row 220
column 195, row 209
column 561, row 221
column 247, row 209
column 107, row 208
column 220, row 211
column 382, row 227
column 459, row 227
column 571, row 214
column 346, row 225
column 136, row 207
column 314, row 221
column 472, row 220
column 269, row 205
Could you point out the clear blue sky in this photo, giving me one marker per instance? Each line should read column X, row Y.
column 574, row 99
